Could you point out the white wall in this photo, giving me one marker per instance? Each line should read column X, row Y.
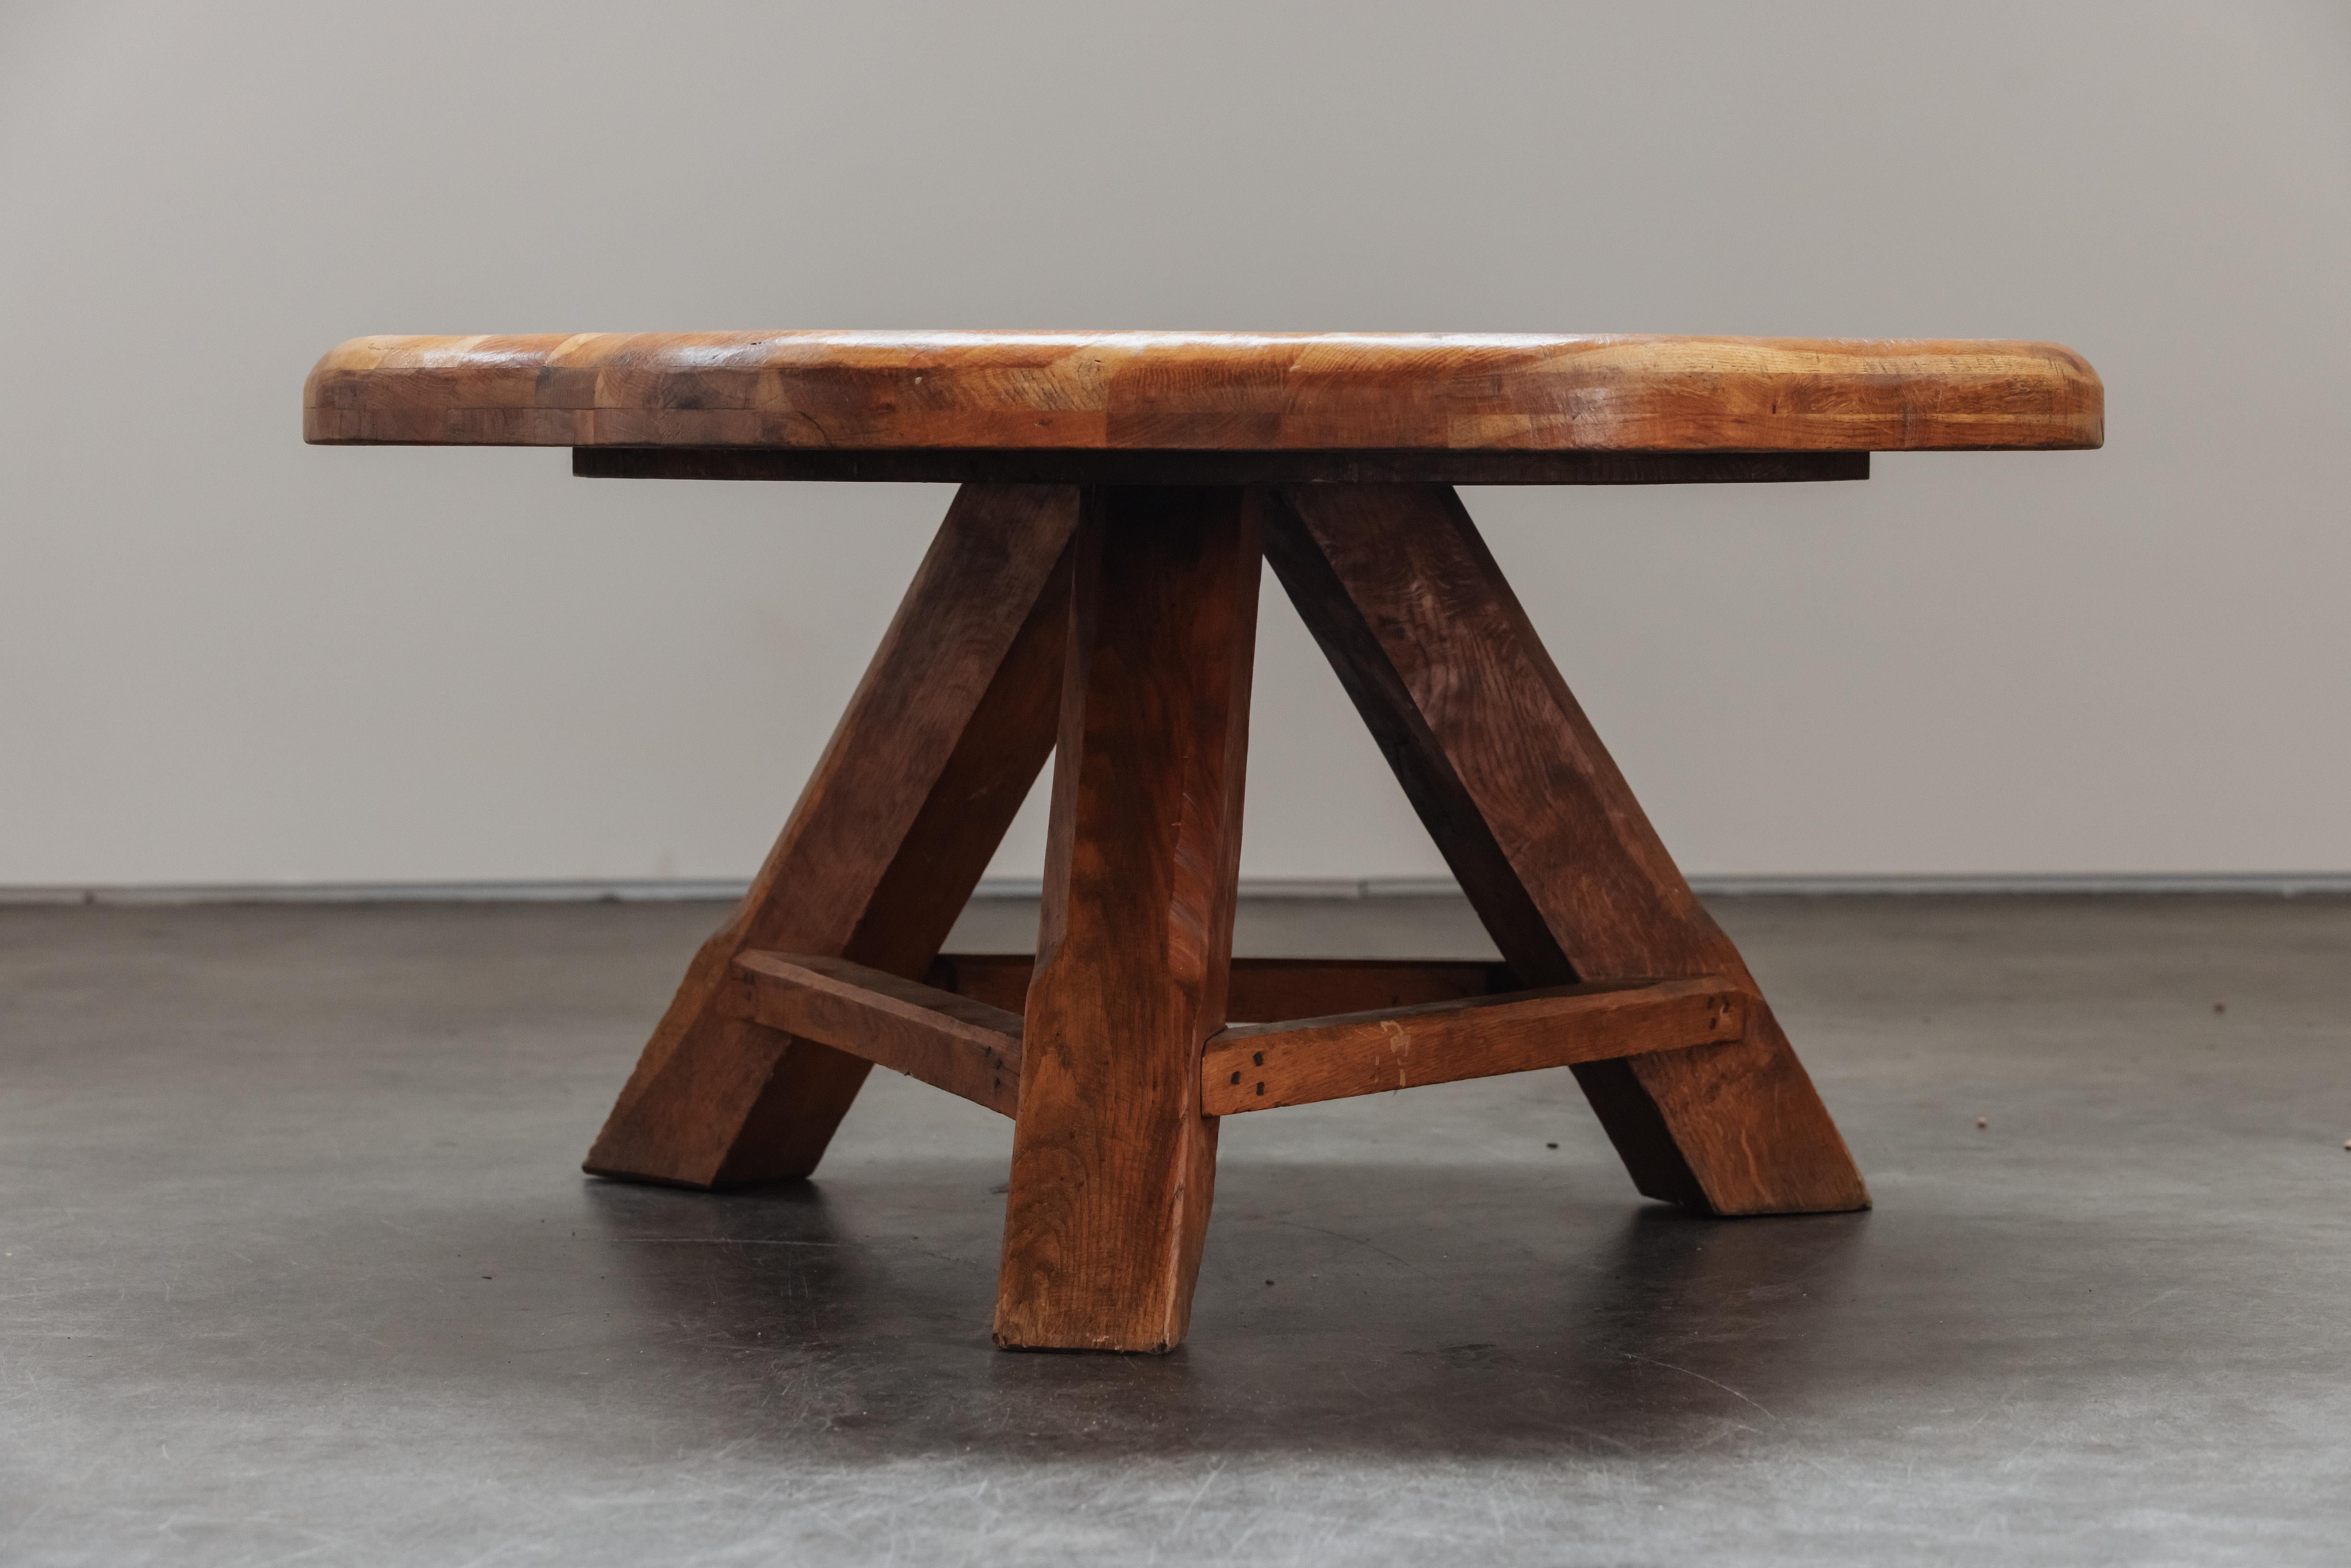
column 227, row 657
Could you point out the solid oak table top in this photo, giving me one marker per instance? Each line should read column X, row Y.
column 1111, row 392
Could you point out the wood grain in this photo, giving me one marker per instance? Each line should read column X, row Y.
column 948, row 1042
column 1222, row 392
column 1263, row 989
column 943, row 737
column 1113, row 1166
column 1258, row 1067
column 1546, row 838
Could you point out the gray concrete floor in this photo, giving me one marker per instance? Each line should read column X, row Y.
column 299, row 1267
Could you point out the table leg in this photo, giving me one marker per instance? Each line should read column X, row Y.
column 1546, row 838
column 1112, row 1163
column 938, row 748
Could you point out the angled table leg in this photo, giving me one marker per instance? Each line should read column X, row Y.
column 939, row 745
column 1112, row 1163
column 1546, row 838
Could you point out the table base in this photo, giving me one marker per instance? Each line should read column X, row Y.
column 1113, row 627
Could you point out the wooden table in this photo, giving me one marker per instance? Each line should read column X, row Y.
column 1093, row 596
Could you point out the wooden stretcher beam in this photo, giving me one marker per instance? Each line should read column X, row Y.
column 951, row 1042
column 1265, row 988
column 1256, row 1067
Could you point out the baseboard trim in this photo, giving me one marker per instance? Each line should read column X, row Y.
column 2281, row 883
column 657, row 889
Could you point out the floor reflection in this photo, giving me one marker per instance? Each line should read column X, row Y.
column 1372, row 1308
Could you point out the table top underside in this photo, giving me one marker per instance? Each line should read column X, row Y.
column 1110, row 393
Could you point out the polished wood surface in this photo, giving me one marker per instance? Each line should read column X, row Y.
column 1113, row 1165
column 949, row 728
column 950, row 1043
column 1546, row 837
column 1222, row 392
column 1260, row 1067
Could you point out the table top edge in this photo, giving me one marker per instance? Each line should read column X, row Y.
column 1074, row 391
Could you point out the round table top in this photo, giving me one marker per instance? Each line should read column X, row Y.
column 1042, row 392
